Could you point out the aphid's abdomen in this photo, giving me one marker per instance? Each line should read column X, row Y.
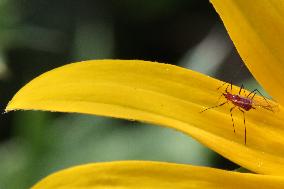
column 246, row 107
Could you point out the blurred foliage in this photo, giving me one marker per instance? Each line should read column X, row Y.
column 38, row 35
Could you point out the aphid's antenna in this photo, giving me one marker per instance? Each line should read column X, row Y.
column 234, row 76
column 239, row 71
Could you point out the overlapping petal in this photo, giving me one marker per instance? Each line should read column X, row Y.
column 154, row 175
column 165, row 95
column 256, row 28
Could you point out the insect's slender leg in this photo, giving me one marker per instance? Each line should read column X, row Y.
column 244, row 125
column 219, row 98
column 241, row 89
column 254, row 93
column 252, row 96
column 231, row 85
column 221, row 86
column 232, row 118
column 226, row 90
column 214, row 107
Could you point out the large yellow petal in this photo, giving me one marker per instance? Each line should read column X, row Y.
column 257, row 28
column 165, row 95
column 158, row 175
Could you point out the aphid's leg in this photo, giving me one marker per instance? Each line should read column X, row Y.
column 214, row 107
column 241, row 89
column 244, row 125
column 254, row 93
column 219, row 98
column 221, row 86
column 229, row 84
column 232, row 118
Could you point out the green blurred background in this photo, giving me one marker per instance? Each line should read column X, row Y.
column 38, row 35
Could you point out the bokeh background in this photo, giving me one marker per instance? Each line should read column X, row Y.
column 38, row 35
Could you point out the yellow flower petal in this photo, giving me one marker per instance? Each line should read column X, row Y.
column 165, row 95
column 256, row 28
column 158, row 175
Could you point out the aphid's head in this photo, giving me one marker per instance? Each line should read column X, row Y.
column 228, row 95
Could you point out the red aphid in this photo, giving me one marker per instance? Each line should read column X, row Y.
column 243, row 103
column 240, row 101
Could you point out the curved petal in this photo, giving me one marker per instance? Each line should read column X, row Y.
column 165, row 95
column 256, row 28
column 143, row 174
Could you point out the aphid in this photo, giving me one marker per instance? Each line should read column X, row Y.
column 243, row 103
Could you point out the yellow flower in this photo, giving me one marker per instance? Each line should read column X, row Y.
column 171, row 96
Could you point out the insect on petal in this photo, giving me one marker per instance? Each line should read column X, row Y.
column 162, row 94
